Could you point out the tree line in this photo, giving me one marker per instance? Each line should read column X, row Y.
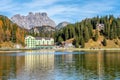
column 10, row 31
column 82, row 31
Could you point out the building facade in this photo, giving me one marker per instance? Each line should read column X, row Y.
column 39, row 42
column 99, row 27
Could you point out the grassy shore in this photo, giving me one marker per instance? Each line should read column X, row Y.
column 58, row 49
column 86, row 49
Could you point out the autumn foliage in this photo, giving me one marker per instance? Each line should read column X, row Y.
column 10, row 31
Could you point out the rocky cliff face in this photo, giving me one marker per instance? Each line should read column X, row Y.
column 31, row 20
column 44, row 29
column 62, row 24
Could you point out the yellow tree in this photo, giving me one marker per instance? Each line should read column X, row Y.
column 1, row 23
column 1, row 31
column 8, row 34
column 18, row 35
column 22, row 36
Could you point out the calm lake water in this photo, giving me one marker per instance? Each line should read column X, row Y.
column 100, row 65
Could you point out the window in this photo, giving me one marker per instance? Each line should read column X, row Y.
column 43, row 42
column 52, row 42
column 39, row 43
column 47, row 42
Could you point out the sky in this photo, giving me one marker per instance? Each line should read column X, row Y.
column 61, row 10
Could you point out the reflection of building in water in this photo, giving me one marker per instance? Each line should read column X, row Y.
column 39, row 62
column 69, row 57
column 64, row 58
column 19, row 67
column 100, row 65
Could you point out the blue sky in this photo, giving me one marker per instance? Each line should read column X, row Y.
column 61, row 10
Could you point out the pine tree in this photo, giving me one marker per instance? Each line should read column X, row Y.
column 96, row 36
column 76, row 42
column 60, row 39
column 66, row 34
column 104, row 42
column 82, row 43
column 77, row 45
column 111, row 34
column 86, row 35
column 90, row 30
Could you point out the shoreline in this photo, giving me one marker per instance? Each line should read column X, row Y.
column 57, row 49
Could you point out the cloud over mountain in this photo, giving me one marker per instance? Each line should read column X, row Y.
column 61, row 10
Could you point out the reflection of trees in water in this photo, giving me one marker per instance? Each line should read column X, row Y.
column 91, row 65
column 8, row 67
column 25, row 67
column 103, row 65
column 112, row 64
column 86, row 65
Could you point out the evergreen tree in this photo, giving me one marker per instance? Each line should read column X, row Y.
column 86, row 35
column 76, row 42
column 96, row 36
column 66, row 34
column 90, row 30
column 82, row 43
column 104, row 42
column 77, row 45
column 60, row 39
column 84, row 29
column 111, row 34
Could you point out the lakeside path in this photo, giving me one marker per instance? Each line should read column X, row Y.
column 58, row 49
column 87, row 49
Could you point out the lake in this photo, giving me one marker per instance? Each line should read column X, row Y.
column 77, row 65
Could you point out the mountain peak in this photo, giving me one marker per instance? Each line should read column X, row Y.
column 62, row 24
column 30, row 13
column 44, row 14
column 33, row 19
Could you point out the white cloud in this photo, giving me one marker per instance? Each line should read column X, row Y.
column 57, row 9
column 39, row 3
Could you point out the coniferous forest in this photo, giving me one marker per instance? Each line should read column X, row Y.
column 82, row 32
column 87, row 29
column 10, row 32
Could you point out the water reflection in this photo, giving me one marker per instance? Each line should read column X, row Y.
column 39, row 66
column 26, row 67
column 89, row 66
column 99, row 65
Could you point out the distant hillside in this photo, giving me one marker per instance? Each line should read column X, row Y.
column 42, row 31
column 62, row 24
column 115, row 43
column 91, row 29
column 31, row 20
column 10, row 32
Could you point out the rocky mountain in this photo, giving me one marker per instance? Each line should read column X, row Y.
column 39, row 29
column 31, row 20
column 62, row 24
column 42, row 31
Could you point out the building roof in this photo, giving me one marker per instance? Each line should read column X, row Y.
column 29, row 36
column 39, row 38
column 46, row 38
